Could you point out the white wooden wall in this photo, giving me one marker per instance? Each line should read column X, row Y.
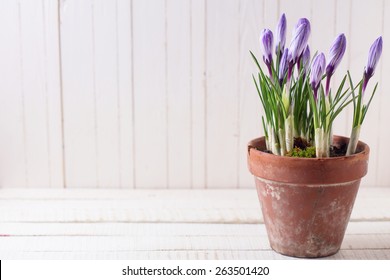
column 158, row 93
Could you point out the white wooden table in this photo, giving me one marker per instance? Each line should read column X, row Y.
column 164, row 224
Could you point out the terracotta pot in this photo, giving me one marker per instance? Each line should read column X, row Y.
column 306, row 203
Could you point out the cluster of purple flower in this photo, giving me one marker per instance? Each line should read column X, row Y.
column 299, row 54
column 299, row 105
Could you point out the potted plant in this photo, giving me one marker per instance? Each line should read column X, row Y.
column 306, row 178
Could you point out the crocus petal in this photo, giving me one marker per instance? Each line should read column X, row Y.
column 302, row 21
column 373, row 57
column 299, row 40
column 336, row 54
column 306, row 59
column 281, row 34
column 283, row 66
column 317, row 70
column 266, row 45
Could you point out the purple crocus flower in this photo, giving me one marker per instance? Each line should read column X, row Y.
column 283, row 66
column 335, row 55
column 281, row 35
column 302, row 21
column 317, row 69
column 266, row 45
column 299, row 40
column 373, row 58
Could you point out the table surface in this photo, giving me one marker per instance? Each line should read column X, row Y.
column 165, row 224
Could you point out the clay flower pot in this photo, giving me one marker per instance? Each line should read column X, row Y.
column 306, row 202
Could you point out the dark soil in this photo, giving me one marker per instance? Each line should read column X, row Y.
column 335, row 151
column 301, row 143
column 338, row 151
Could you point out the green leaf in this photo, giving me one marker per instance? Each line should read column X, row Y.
column 368, row 104
column 255, row 59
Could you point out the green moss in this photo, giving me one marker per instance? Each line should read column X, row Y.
column 308, row 152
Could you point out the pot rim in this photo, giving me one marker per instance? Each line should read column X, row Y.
column 307, row 171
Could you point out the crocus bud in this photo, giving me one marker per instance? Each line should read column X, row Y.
column 299, row 40
column 305, row 60
column 317, row 69
column 302, row 21
column 281, row 35
column 373, row 58
column 336, row 53
column 266, row 45
column 283, row 66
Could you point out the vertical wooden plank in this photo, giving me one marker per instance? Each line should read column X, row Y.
column 198, row 93
column 322, row 26
column 178, row 93
column 250, row 110
column 383, row 134
column 293, row 13
column 342, row 18
column 361, row 38
column 125, row 94
column 106, row 87
column 35, row 141
column 222, row 93
column 79, row 93
column 150, row 99
column 272, row 11
column 12, row 122
column 35, row 93
column 106, row 94
column 53, row 92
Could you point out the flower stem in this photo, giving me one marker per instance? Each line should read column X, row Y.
column 327, row 85
column 282, row 143
column 353, row 141
column 274, row 142
column 269, row 69
column 289, row 130
column 321, row 143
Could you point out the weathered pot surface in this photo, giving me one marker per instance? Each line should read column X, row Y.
column 306, row 203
